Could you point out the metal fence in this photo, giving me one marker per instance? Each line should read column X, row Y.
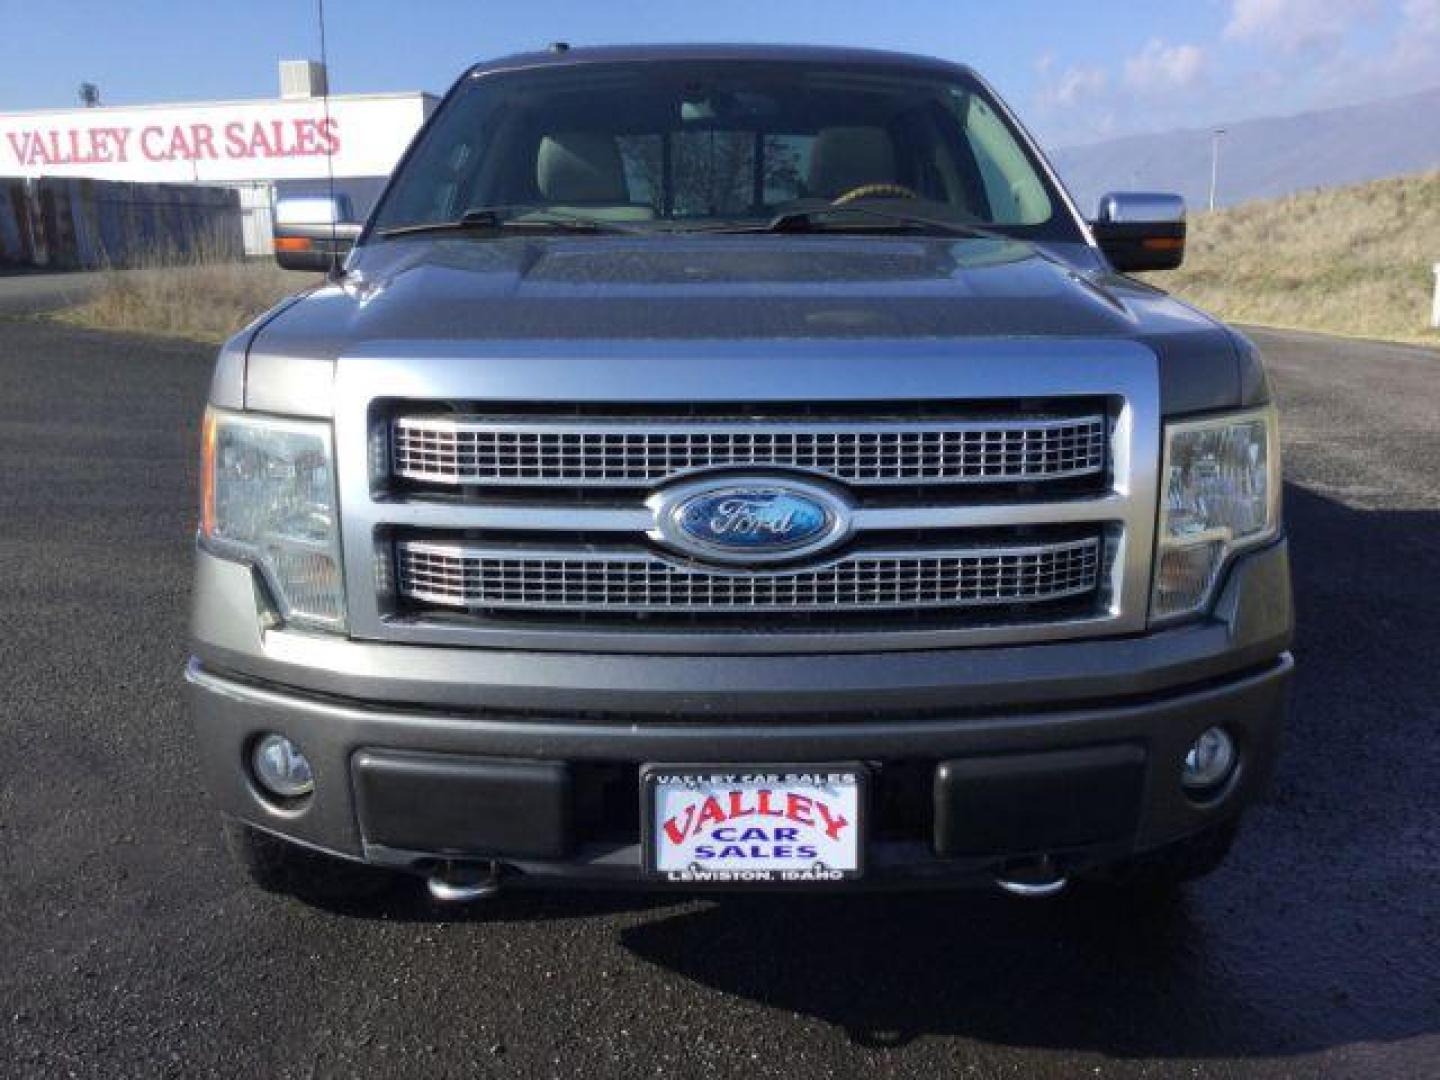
column 76, row 224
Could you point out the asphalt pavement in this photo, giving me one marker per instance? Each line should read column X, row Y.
column 29, row 293
column 129, row 947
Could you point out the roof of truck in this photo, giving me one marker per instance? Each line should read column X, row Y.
column 562, row 57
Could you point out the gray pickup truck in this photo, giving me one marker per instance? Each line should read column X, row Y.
column 735, row 467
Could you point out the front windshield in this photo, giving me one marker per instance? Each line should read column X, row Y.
column 678, row 145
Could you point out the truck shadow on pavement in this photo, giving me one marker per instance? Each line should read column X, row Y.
column 1320, row 931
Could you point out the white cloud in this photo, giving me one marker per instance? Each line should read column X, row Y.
column 1073, row 86
column 1294, row 25
column 1413, row 60
column 1421, row 17
column 1298, row 55
column 1090, row 102
column 1081, row 83
column 1162, row 67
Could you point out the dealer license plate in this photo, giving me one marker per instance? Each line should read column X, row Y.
column 752, row 823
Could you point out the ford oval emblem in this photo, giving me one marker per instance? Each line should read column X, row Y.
column 765, row 520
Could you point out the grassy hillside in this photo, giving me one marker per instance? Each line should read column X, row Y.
column 1354, row 260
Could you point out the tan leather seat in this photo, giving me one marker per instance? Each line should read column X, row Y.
column 845, row 158
column 580, row 167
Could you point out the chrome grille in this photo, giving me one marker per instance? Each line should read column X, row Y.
column 476, row 450
column 639, row 582
column 694, row 388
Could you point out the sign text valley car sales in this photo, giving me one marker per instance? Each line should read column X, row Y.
column 245, row 142
column 236, row 140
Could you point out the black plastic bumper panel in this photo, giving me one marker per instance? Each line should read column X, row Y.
column 1017, row 803
column 455, row 805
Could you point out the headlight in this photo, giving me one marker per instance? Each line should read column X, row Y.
column 268, row 498
column 1220, row 493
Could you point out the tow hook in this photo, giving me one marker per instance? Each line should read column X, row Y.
column 464, row 882
column 1033, row 880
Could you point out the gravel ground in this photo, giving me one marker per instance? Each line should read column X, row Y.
column 128, row 947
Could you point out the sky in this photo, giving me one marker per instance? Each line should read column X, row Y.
column 1076, row 72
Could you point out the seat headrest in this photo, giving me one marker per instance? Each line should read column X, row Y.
column 580, row 167
column 844, row 158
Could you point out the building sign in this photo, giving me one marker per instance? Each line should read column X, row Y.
column 261, row 140
column 49, row 147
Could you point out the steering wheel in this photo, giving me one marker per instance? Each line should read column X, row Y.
column 876, row 191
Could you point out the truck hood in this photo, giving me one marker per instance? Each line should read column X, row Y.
column 718, row 287
column 713, row 287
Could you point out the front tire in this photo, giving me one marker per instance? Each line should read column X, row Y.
column 277, row 866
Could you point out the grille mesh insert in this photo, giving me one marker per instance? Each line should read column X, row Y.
column 460, row 450
column 638, row 582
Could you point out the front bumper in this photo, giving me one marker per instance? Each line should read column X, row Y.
column 533, row 759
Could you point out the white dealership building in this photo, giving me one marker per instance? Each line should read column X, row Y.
column 261, row 147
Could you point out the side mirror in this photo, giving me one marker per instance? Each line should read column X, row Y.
column 314, row 233
column 1139, row 232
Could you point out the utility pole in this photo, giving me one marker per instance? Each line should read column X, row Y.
column 1435, row 312
column 1215, row 136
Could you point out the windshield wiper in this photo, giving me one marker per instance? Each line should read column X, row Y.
column 497, row 218
column 807, row 220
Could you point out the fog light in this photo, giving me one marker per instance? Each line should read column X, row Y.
column 281, row 768
column 1209, row 761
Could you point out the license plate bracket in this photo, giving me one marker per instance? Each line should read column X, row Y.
column 770, row 824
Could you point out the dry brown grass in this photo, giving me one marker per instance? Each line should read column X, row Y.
column 203, row 299
column 1355, row 260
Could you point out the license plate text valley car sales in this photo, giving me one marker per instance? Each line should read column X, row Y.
column 755, row 826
